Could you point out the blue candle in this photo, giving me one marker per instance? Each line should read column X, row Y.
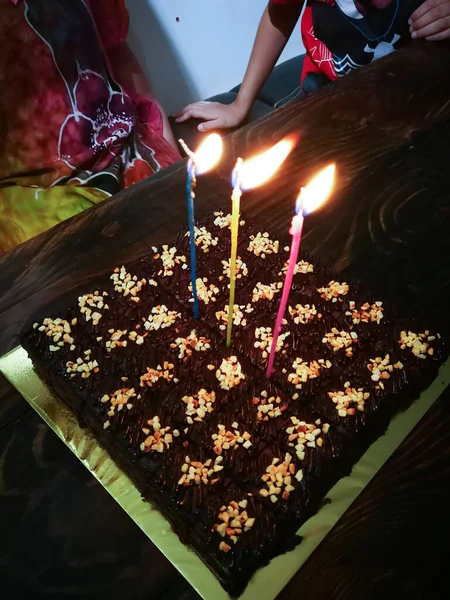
column 190, row 187
column 200, row 162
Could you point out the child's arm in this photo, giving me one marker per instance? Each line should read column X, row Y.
column 275, row 28
column 431, row 21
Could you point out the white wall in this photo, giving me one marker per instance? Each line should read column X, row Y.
column 202, row 54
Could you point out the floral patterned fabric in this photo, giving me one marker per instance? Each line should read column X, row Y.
column 70, row 136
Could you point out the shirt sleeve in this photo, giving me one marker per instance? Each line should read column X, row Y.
column 112, row 21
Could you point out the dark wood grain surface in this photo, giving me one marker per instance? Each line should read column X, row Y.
column 388, row 129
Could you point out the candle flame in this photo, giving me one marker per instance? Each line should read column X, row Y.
column 317, row 191
column 208, row 153
column 260, row 168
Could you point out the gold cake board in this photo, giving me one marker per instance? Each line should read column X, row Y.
column 268, row 581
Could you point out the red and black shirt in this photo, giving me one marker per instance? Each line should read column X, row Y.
column 343, row 35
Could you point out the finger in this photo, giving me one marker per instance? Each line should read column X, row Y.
column 434, row 14
column 190, row 108
column 183, row 111
column 209, row 125
column 183, row 116
column 437, row 37
column 433, row 28
column 194, row 112
column 425, row 8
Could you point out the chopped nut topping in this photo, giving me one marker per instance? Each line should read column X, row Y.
column 238, row 315
column 266, row 292
column 261, row 244
column 160, row 318
column 58, row 330
column 224, row 547
column 230, row 373
column 199, row 405
column 115, row 339
column 368, row 313
column 224, row 221
column 154, row 375
column 119, row 400
column 159, row 439
column 279, row 479
column 418, row 342
column 137, row 338
column 196, row 472
column 233, row 522
column 169, row 259
column 128, row 284
column 301, row 267
column 305, row 371
column 91, row 304
column 381, row 368
column 303, row 314
column 334, row 291
column 205, row 293
column 241, row 269
column 302, row 435
column 264, row 339
column 350, row 396
column 193, row 343
column 224, row 440
column 203, row 238
column 221, row 220
column 83, row 365
column 268, row 408
column 337, row 340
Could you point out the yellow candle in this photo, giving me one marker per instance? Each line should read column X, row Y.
column 248, row 175
column 236, row 207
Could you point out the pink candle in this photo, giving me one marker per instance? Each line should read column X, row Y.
column 296, row 232
column 310, row 198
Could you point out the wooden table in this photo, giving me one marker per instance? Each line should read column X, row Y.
column 388, row 129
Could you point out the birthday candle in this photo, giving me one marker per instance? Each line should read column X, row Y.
column 309, row 199
column 248, row 175
column 296, row 232
column 236, row 205
column 199, row 162
column 190, row 187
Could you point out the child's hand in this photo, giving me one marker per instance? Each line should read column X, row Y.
column 215, row 114
column 431, row 21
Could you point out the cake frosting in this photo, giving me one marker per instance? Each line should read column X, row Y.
column 234, row 461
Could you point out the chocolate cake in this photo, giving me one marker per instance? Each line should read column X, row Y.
column 234, row 461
